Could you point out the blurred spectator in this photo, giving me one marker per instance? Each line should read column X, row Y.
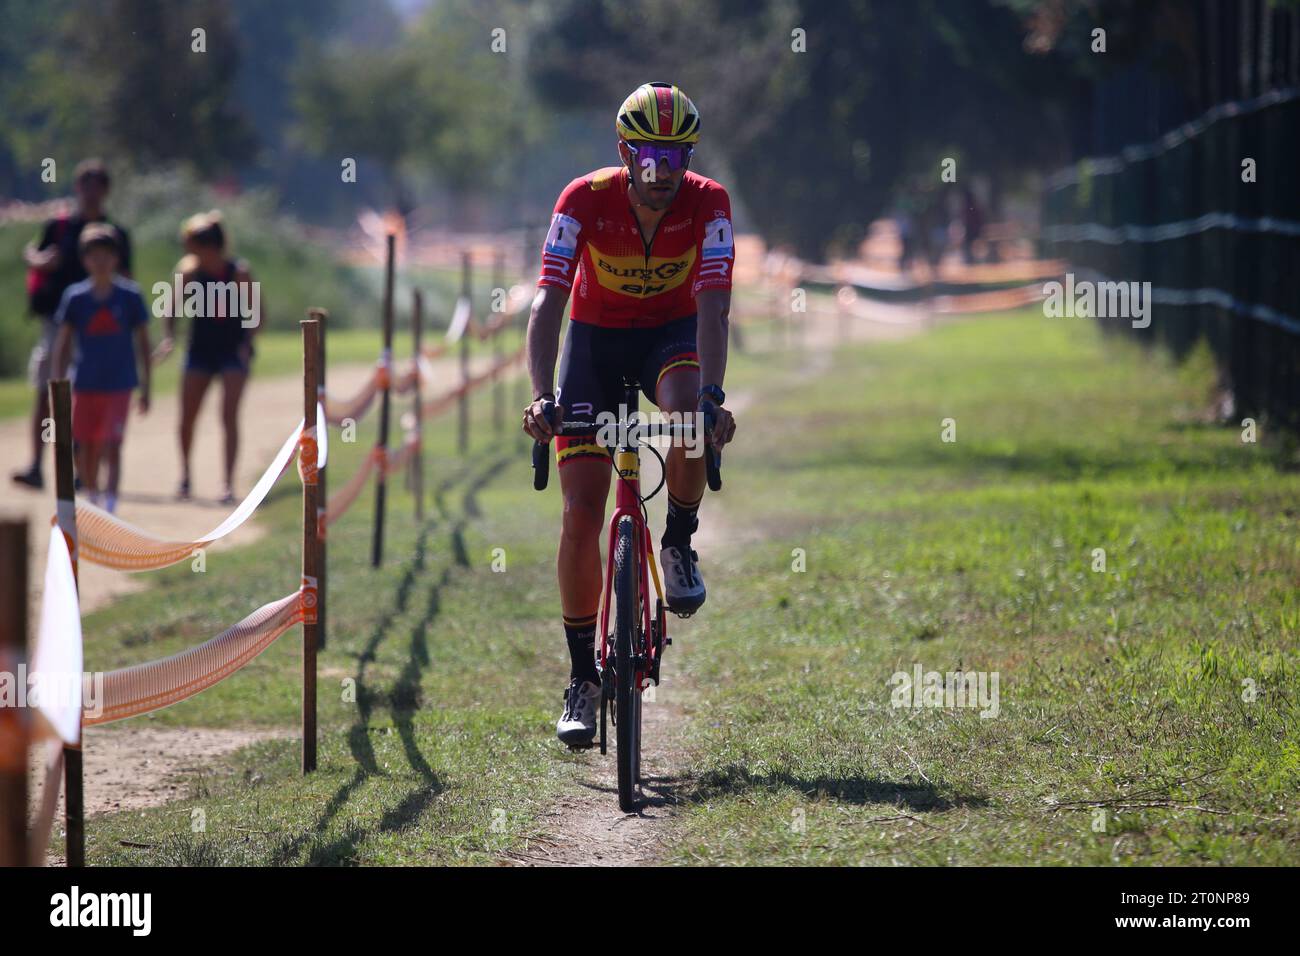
column 934, row 226
column 53, row 265
column 106, row 317
column 905, row 219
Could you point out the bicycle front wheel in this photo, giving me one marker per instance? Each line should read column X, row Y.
column 627, row 644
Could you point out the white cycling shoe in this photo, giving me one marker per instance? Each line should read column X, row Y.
column 577, row 725
column 683, row 585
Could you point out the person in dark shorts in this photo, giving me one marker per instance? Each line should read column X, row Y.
column 646, row 249
column 222, row 322
column 53, row 264
column 595, row 361
column 106, row 317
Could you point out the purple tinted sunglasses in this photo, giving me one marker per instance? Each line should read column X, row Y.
column 677, row 157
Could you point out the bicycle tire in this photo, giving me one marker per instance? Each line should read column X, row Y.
column 627, row 698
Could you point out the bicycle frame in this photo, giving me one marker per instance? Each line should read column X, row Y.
column 627, row 502
column 648, row 644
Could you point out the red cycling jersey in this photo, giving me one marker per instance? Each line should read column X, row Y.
column 622, row 284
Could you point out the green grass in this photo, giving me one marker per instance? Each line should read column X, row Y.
column 456, row 670
column 1122, row 687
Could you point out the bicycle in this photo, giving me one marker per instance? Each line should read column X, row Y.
column 639, row 640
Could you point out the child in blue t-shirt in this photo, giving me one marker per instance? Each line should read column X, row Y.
column 107, row 317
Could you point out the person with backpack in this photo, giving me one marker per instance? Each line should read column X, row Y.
column 53, row 264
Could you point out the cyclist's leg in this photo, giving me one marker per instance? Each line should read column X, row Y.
column 584, row 469
column 584, row 484
column 673, row 367
column 673, row 370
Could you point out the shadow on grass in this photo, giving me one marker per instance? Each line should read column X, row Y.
column 402, row 699
column 735, row 779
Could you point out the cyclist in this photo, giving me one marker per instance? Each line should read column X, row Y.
column 648, row 247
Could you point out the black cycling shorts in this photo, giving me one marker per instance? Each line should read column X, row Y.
column 595, row 362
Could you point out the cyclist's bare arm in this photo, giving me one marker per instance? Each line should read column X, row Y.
column 713, row 318
column 543, row 347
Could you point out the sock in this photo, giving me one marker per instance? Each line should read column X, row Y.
column 681, row 522
column 110, row 502
column 581, row 635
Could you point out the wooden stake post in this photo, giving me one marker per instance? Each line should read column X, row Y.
column 311, row 554
column 498, row 379
column 462, row 404
column 320, row 315
column 15, row 727
column 377, row 544
column 417, row 460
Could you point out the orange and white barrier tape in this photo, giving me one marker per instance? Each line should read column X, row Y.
column 55, row 678
column 56, row 669
column 460, row 319
column 394, row 462
column 341, row 499
column 404, row 382
column 322, row 437
column 380, row 459
column 440, row 403
column 143, row 688
column 108, row 540
column 337, row 412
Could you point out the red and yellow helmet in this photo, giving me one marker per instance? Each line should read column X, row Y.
column 658, row 113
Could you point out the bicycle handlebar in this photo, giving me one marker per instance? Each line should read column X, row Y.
column 542, row 457
column 541, row 453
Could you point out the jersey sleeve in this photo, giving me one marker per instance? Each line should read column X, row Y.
column 717, row 245
column 564, row 239
column 63, row 313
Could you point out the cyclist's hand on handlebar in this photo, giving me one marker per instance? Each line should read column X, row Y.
column 535, row 422
column 724, row 425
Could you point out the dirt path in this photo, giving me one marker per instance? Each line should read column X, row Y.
column 134, row 766
column 585, row 827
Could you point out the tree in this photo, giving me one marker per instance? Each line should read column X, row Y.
column 124, row 79
column 438, row 102
column 823, row 109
